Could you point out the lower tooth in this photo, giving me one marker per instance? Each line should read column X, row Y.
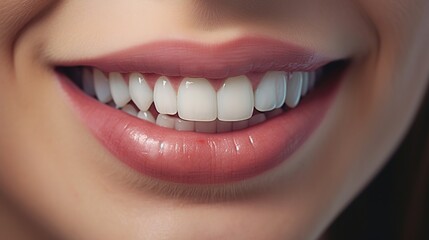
column 165, row 121
column 240, row 125
column 223, row 127
column 205, row 127
column 146, row 116
column 274, row 113
column 183, row 125
column 130, row 110
column 256, row 119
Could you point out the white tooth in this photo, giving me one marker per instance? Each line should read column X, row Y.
column 256, row 119
column 311, row 80
column 183, row 125
column 165, row 121
column 223, row 126
column 88, row 82
column 101, row 86
column 240, row 125
column 165, row 97
column 294, row 87
column 305, row 78
column 205, row 127
column 196, row 100
column 235, row 99
column 147, row 116
column 265, row 93
column 281, row 88
column 140, row 92
column 119, row 89
column 130, row 109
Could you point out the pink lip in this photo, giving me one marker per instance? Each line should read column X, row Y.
column 196, row 158
column 190, row 59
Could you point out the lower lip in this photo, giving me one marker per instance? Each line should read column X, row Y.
column 197, row 158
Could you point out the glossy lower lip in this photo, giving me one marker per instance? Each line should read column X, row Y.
column 216, row 61
column 196, row 158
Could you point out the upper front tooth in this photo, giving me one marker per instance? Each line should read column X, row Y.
column 165, row 97
column 102, row 87
column 265, row 94
column 119, row 89
column 271, row 91
column 294, row 87
column 235, row 99
column 196, row 100
column 140, row 92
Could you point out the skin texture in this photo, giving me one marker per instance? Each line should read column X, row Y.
column 56, row 176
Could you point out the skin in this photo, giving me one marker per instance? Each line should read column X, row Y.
column 55, row 176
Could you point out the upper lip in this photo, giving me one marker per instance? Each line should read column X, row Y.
column 213, row 61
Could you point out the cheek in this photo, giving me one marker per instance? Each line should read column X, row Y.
column 15, row 15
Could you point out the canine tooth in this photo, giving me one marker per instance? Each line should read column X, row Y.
column 88, row 82
column 256, row 119
column 294, row 87
column 165, row 97
column 119, row 89
column 130, row 110
column 165, row 121
column 223, row 126
column 205, row 127
column 146, row 115
column 281, row 88
column 240, row 125
column 140, row 92
column 196, row 100
column 235, row 99
column 305, row 78
column 183, row 125
column 101, row 86
column 265, row 93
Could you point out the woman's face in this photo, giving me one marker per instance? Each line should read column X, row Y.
column 85, row 170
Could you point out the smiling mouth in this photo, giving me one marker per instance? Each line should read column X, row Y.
column 197, row 114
